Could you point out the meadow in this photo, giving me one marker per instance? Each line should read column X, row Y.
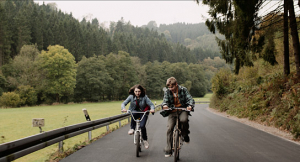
column 16, row 123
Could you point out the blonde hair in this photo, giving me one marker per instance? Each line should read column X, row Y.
column 171, row 81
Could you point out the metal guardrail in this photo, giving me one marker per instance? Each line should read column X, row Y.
column 202, row 102
column 15, row 149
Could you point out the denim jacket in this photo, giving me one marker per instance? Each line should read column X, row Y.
column 184, row 96
column 144, row 101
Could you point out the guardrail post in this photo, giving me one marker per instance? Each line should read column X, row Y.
column 120, row 124
column 61, row 146
column 87, row 117
column 107, row 128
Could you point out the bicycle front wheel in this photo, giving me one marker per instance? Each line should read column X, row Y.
column 138, row 147
column 176, row 149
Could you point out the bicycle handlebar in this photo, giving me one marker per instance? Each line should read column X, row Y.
column 139, row 112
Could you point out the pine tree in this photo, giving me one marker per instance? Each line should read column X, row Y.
column 23, row 32
column 5, row 40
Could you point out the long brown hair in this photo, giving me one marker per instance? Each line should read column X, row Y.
column 138, row 86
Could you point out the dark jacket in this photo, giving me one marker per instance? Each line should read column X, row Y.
column 184, row 96
column 144, row 101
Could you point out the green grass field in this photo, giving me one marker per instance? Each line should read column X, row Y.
column 205, row 98
column 16, row 123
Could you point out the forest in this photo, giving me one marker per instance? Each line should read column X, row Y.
column 95, row 63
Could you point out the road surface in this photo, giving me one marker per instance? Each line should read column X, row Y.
column 213, row 139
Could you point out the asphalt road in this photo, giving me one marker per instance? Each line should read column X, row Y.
column 213, row 139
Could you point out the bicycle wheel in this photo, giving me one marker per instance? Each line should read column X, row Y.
column 176, row 149
column 137, row 139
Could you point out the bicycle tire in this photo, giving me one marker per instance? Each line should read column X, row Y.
column 176, row 149
column 138, row 148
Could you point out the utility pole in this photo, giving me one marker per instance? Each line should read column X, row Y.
column 286, row 60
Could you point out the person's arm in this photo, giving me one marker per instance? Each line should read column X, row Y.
column 189, row 99
column 166, row 102
column 148, row 102
column 126, row 102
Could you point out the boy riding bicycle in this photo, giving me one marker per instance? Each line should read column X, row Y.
column 177, row 96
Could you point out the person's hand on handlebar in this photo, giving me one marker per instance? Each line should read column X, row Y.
column 165, row 107
column 189, row 108
column 124, row 110
column 152, row 111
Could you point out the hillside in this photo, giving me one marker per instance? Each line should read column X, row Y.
column 196, row 37
column 261, row 93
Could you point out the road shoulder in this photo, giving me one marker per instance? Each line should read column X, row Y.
column 269, row 129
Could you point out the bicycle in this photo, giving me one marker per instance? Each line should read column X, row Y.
column 177, row 138
column 137, row 138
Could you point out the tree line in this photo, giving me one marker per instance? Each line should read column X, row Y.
column 35, row 77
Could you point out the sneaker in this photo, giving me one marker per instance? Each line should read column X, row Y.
column 186, row 139
column 130, row 132
column 168, row 154
column 146, row 144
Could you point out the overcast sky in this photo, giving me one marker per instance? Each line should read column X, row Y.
column 140, row 12
column 137, row 12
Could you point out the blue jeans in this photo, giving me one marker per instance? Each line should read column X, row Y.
column 142, row 124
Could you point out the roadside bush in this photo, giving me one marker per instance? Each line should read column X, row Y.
column 223, row 83
column 10, row 99
column 3, row 84
column 27, row 94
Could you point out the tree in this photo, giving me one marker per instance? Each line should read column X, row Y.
column 234, row 19
column 120, row 68
column 5, row 40
column 155, row 82
column 27, row 95
column 59, row 67
column 23, row 33
column 92, row 79
column 294, row 33
column 199, row 84
column 22, row 69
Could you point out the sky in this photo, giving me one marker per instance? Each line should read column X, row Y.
column 141, row 12
column 138, row 12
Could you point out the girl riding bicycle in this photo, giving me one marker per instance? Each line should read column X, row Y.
column 138, row 102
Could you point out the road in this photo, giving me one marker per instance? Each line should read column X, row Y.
column 213, row 139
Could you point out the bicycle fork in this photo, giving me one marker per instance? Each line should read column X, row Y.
column 137, row 129
column 180, row 137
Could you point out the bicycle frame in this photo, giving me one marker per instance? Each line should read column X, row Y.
column 177, row 136
column 138, row 121
column 137, row 138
